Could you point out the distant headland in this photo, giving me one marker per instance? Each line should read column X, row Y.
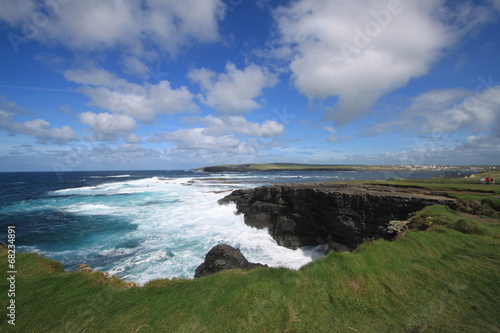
column 340, row 167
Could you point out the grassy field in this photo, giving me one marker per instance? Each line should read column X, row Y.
column 470, row 192
column 441, row 277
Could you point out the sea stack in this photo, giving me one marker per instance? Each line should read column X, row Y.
column 223, row 258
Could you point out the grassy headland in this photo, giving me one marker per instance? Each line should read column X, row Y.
column 443, row 276
column 330, row 167
column 278, row 167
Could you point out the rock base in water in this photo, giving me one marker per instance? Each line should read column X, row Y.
column 223, row 258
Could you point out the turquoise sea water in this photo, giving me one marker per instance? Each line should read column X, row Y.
column 143, row 225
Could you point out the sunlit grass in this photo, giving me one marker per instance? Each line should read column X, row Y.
column 443, row 279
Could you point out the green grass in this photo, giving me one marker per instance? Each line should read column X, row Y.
column 444, row 216
column 472, row 196
column 450, row 185
column 445, row 279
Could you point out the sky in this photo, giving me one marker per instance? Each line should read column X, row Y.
column 168, row 84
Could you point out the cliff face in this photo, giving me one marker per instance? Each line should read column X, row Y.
column 340, row 215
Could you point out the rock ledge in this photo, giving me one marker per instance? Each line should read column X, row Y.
column 339, row 215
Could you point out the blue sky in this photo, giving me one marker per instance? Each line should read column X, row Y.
column 117, row 85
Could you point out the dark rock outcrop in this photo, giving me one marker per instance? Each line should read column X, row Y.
column 222, row 258
column 339, row 215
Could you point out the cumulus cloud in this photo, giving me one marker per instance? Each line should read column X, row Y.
column 360, row 50
column 475, row 149
column 13, row 11
column 133, row 138
column 134, row 66
column 235, row 91
column 38, row 128
column 93, row 24
column 221, row 136
column 333, row 137
column 10, row 106
column 239, row 125
column 477, row 112
column 142, row 102
column 108, row 127
column 195, row 139
column 97, row 77
column 447, row 111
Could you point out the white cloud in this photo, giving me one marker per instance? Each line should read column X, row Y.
column 480, row 149
column 476, row 112
column 142, row 102
column 13, row 11
column 133, row 65
column 490, row 145
column 239, row 125
column 38, row 128
column 333, row 137
column 234, row 91
column 93, row 24
column 97, row 77
column 220, row 139
column 108, row 127
column 195, row 139
column 9, row 106
column 131, row 147
column 133, row 138
column 496, row 3
column 361, row 50
column 447, row 111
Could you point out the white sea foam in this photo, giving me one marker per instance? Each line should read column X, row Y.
column 178, row 220
column 116, row 252
column 117, row 176
column 93, row 209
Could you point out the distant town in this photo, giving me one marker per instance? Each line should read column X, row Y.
column 432, row 167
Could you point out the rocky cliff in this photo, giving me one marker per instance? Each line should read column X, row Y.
column 341, row 216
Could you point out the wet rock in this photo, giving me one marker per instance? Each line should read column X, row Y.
column 222, row 258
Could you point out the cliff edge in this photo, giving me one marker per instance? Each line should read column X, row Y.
column 339, row 215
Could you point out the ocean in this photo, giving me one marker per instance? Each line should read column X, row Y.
column 143, row 225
